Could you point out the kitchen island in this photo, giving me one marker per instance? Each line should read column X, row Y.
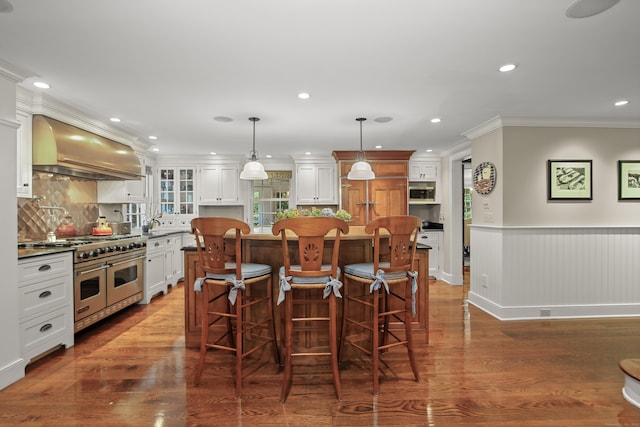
column 355, row 247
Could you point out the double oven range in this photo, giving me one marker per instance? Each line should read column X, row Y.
column 108, row 275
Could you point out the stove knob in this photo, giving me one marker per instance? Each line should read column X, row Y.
column 132, row 245
column 83, row 255
column 93, row 253
column 109, row 249
column 137, row 245
column 100, row 251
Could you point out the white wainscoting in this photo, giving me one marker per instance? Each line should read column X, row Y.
column 555, row 272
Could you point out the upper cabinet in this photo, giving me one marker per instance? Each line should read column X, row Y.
column 127, row 191
column 424, row 171
column 218, row 185
column 23, row 140
column 316, row 184
column 177, row 190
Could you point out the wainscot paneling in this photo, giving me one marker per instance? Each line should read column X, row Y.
column 534, row 272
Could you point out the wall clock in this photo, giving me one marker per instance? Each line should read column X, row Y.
column 484, row 178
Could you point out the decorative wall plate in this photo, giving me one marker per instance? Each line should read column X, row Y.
column 484, row 178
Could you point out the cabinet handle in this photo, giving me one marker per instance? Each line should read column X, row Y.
column 26, row 184
column 46, row 327
column 82, row 309
column 44, row 294
column 44, row 267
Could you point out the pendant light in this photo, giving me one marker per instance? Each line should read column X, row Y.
column 361, row 170
column 253, row 169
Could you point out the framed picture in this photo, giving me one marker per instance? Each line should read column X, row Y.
column 569, row 180
column 628, row 179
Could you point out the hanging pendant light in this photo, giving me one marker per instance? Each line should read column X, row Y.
column 361, row 170
column 253, row 169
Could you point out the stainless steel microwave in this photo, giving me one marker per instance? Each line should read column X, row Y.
column 422, row 192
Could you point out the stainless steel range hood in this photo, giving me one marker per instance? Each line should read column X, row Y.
column 61, row 148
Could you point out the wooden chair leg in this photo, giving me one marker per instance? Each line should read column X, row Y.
column 288, row 344
column 270, row 310
column 239, row 341
column 333, row 345
column 375, row 338
column 204, row 333
column 408, row 328
column 345, row 314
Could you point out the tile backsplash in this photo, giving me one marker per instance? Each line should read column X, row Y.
column 78, row 196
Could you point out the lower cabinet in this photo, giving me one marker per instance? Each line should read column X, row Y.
column 164, row 265
column 434, row 239
column 45, row 303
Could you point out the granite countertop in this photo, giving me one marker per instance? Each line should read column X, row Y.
column 34, row 252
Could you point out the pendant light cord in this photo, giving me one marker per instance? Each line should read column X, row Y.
column 254, row 155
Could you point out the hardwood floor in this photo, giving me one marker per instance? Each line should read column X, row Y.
column 133, row 370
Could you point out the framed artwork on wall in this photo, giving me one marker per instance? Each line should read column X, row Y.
column 628, row 179
column 569, row 180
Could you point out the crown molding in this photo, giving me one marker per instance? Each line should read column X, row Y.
column 500, row 122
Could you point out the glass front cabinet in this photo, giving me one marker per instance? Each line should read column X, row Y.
column 177, row 190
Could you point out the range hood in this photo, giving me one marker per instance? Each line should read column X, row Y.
column 64, row 149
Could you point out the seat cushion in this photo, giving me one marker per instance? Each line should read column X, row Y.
column 302, row 280
column 365, row 271
column 249, row 271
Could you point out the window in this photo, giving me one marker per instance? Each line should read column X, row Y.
column 135, row 212
column 269, row 197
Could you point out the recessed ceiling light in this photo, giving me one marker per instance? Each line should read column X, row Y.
column 587, row 8
column 213, row 153
column 307, row 153
column 507, row 67
column 621, row 103
column 435, row 120
column 41, row 85
column 222, row 119
column 115, row 119
column 429, row 150
column 153, row 137
column 304, row 95
column 156, row 149
column 383, row 119
column 378, row 146
column 268, row 156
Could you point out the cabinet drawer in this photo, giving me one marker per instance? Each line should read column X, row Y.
column 157, row 244
column 44, row 296
column 44, row 267
column 42, row 333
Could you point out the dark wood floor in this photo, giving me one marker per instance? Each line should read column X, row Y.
column 133, row 370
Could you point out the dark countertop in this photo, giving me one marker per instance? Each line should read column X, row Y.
column 34, row 252
column 162, row 233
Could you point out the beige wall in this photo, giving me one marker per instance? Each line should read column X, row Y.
column 488, row 209
column 522, row 185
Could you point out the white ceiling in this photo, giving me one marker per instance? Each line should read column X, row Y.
column 167, row 68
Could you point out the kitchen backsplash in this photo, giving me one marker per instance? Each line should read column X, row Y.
column 78, row 196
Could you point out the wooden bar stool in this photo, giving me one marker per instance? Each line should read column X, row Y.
column 391, row 285
column 221, row 262
column 302, row 274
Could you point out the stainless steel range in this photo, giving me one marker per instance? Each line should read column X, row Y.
column 108, row 275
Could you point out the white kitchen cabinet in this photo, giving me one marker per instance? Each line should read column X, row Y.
column 436, row 254
column 177, row 189
column 124, row 191
column 23, row 177
column 218, row 185
column 316, row 184
column 128, row 191
column 423, row 171
column 173, row 259
column 155, row 269
column 164, row 265
column 45, row 303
